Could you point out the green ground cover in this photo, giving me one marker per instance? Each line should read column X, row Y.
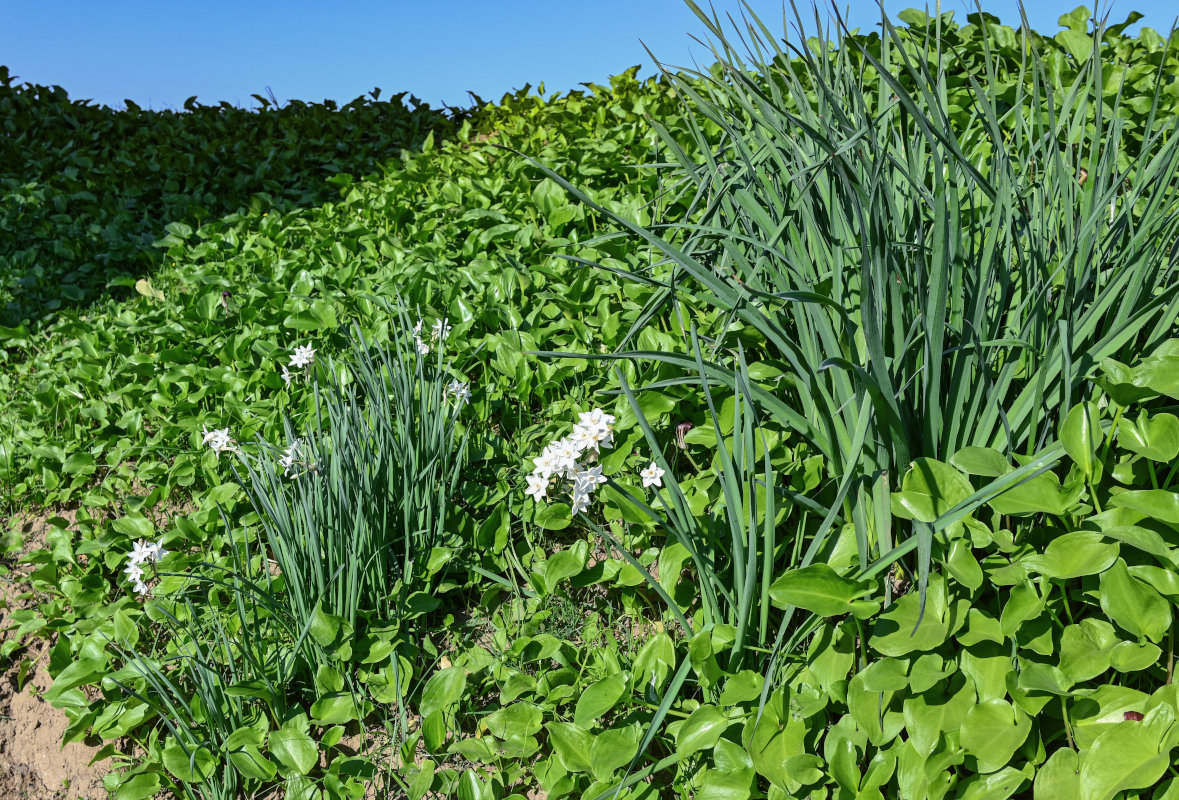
column 878, row 499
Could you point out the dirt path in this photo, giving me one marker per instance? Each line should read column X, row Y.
column 33, row 764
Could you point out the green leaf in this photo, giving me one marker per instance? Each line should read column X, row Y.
column 572, row 745
column 1085, row 649
column 1073, row 556
column 818, row 588
column 518, row 719
column 134, row 526
column 244, row 753
column 325, row 628
column 655, row 661
column 701, row 730
column 612, row 750
column 1042, row 494
column 894, row 634
column 743, row 687
column 929, row 489
column 1122, row 758
column 1081, row 436
column 1158, row 504
column 599, row 698
column 1132, row 604
column 139, row 787
column 1077, row 44
column 194, row 766
column 443, row 690
column 294, row 749
column 144, row 287
column 1153, row 437
column 1134, row 656
column 336, row 708
column 984, row 461
column 79, row 464
column 1059, row 776
column 565, row 564
column 553, row 516
column 992, row 731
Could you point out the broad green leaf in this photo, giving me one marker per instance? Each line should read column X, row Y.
column 1154, row 437
column 1085, row 649
column 443, row 690
column 565, row 564
column 518, row 719
column 572, row 745
column 1059, row 776
column 1123, row 758
column 243, row 747
column 1158, row 504
column 984, row 461
column 325, row 628
column 1134, row 656
column 600, row 697
column 992, row 731
column 294, row 749
column 928, row 715
column 818, row 588
column 1042, row 494
column 1081, row 435
column 193, row 766
column 897, row 632
column 654, row 662
column 929, row 489
column 612, row 750
column 1134, row 605
column 701, row 730
column 1074, row 555
column 139, row 787
column 743, row 687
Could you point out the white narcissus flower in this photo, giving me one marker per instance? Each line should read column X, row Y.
column 142, row 551
column 422, row 347
column 289, row 457
column 589, row 478
column 158, row 552
column 460, row 391
column 286, row 375
column 140, row 587
column 440, row 330
column 597, row 418
column 565, row 453
column 302, row 356
column 545, row 465
column 652, row 476
column 580, row 503
column 134, row 572
column 218, row 439
column 585, row 437
column 537, row 487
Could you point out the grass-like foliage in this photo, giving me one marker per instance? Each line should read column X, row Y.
column 938, row 266
column 353, row 522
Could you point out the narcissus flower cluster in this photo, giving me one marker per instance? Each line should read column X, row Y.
column 572, row 458
column 439, row 331
column 143, row 552
column 303, row 357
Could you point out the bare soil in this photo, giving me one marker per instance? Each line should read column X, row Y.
column 33, row 764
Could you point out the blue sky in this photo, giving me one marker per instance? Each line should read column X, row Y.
column 159, row 53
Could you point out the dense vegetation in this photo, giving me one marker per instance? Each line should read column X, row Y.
column 820, row 437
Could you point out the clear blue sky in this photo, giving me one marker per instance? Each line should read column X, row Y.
column 159, row 53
